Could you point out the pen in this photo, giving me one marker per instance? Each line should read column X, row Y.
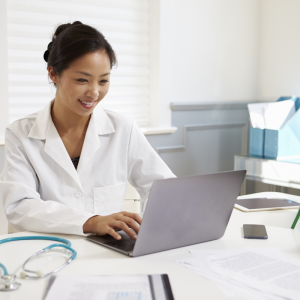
column 296, row 219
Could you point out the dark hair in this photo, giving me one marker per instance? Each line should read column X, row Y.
column 71, row 41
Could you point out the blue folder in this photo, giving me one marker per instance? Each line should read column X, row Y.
column 283, row 144
column 256, row 142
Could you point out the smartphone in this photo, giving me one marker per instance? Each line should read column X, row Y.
column 252, row 231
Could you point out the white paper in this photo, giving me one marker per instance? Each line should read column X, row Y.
column 73, row 287
column 277, row 114
column 260, row 270
column 257, row 114
column 229, row 287
column 271, row 115
column 250, row 273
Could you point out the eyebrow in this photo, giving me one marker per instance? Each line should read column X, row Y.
column 87, row 74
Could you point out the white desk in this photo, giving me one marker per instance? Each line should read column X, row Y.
column 96, row 260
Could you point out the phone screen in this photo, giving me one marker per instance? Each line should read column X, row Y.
column 252, row 231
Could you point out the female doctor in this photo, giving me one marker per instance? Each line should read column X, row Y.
column 66, row 166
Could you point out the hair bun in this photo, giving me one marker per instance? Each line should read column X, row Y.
column 77, row 23
column 63, row 27
column 49, row 46
column 59, row 30
column 46, row 55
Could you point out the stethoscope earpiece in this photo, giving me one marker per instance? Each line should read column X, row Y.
column 39, row 274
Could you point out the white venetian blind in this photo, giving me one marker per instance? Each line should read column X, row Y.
column 124, row 23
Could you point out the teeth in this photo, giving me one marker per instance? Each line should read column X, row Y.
column 86, row 103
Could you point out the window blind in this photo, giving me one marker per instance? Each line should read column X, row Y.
column 124, row 23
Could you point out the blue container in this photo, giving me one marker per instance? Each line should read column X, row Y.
column 256, row 142
column 284, row 144
column 271, row 144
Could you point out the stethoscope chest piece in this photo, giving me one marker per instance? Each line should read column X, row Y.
column 8, row 283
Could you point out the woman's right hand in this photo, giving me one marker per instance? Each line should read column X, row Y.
column 124, row 220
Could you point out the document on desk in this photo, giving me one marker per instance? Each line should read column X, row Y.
column 250, row 273
column 120, row 287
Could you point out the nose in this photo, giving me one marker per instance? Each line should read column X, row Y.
column 93, row 92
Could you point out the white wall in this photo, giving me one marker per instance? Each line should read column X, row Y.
column 211, row 51
column 279, row 58
column 3, row 70
column 3, row 95
column 3, row 220
column 208, row 51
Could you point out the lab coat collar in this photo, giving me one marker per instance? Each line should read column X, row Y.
column 44, row 129
column 40, row 126
column 99, row 118
column 102, row 122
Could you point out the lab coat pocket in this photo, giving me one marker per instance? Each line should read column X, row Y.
column 109, row 199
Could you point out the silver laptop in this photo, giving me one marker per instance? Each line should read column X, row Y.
column 181, row 212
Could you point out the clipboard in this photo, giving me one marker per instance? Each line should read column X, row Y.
column 112, row 287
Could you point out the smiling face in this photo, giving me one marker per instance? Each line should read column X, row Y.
column 83, row 85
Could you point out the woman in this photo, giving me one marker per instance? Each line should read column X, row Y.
column 67, row 166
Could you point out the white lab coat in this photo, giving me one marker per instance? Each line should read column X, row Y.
column 42, row 191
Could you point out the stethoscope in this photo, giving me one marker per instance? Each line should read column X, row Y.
column 8, row 282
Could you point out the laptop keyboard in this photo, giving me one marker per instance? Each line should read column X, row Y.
column 124, row 244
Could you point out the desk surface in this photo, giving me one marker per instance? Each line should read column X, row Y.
column 96, row 260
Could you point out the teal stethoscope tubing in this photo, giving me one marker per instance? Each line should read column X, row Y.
column 4, row 269
column 49, row 238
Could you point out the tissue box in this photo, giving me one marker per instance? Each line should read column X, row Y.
column 284, row 144
column 256, row 142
